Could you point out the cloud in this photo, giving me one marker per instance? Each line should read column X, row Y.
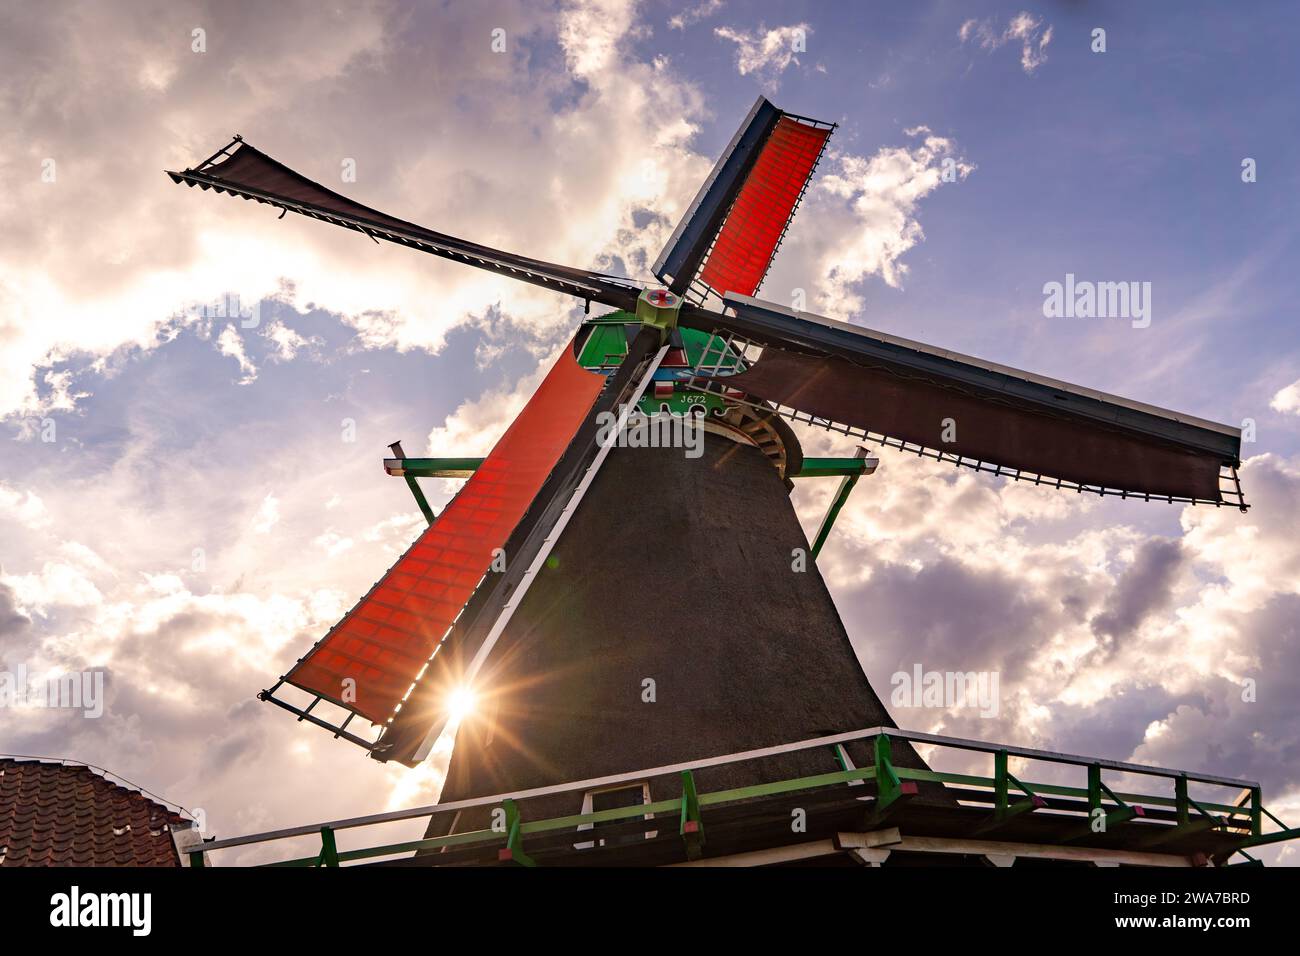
column 695, row 14
column 588, row 163
column 1287, row 400
column 23, row 507
column 13, row 622
column 287, row 342
column 1108, row 641
column 230, row 345
column 1024, row 28
column 332, row 542
column 268, row 515
column 476, row 424
column 861, row 217
column 767, row 53
column 570, row 147
column 1143, row 589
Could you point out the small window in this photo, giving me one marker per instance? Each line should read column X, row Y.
column 609, row 798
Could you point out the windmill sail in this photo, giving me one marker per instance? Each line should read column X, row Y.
column 242, row 170
column 370, row 660
column 996, row 418
column 729, row 235
column 413, row 731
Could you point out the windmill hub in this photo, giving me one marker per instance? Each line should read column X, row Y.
column 658, row 308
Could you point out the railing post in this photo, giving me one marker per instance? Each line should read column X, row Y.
column 329, row 851
column 513, row 851
column 889, row 788
column 692, row 825
column 1094, row 788
column 1000, row 791
column 888, row 785
column 1181, row 807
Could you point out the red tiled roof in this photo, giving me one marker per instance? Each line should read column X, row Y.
column 54, row 814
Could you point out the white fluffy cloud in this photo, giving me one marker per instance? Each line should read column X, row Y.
column 1287, row 400
column 23, row 507
column 1107, row 640
column 196, row 585
column 1024, row 28
column 860, row 218
column 767, row 53
column 490, row 157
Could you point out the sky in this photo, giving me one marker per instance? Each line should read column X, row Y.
column 189, row 501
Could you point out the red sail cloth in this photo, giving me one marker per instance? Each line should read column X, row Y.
column 748, row 239
column 385, row 640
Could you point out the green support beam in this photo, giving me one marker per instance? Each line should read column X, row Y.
column 841, row 495
column 432, row 467
column 849, row 469
column 831, row 467
column 410, row 482
column 420, row 500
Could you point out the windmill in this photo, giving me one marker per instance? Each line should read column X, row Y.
column 619, row 607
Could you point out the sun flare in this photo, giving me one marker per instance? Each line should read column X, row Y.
column 461, row 703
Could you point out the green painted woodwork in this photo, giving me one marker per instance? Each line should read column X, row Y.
column 831, row 467
column 420, row 500
column 850, row 479
column 439, row 467
column 691, row 827
column 329, row 851
column 1276, row 837
column 606, row 346
column 889, row 786
column 1000, row 782
column 685, row 807
column 893, row 784
column 514, row 848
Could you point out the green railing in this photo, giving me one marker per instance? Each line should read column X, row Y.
column 1170, row 816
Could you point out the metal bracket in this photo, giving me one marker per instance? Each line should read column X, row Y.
column 890, row 790
column 513, row 851
column 1096, row 789
column 415, row 488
